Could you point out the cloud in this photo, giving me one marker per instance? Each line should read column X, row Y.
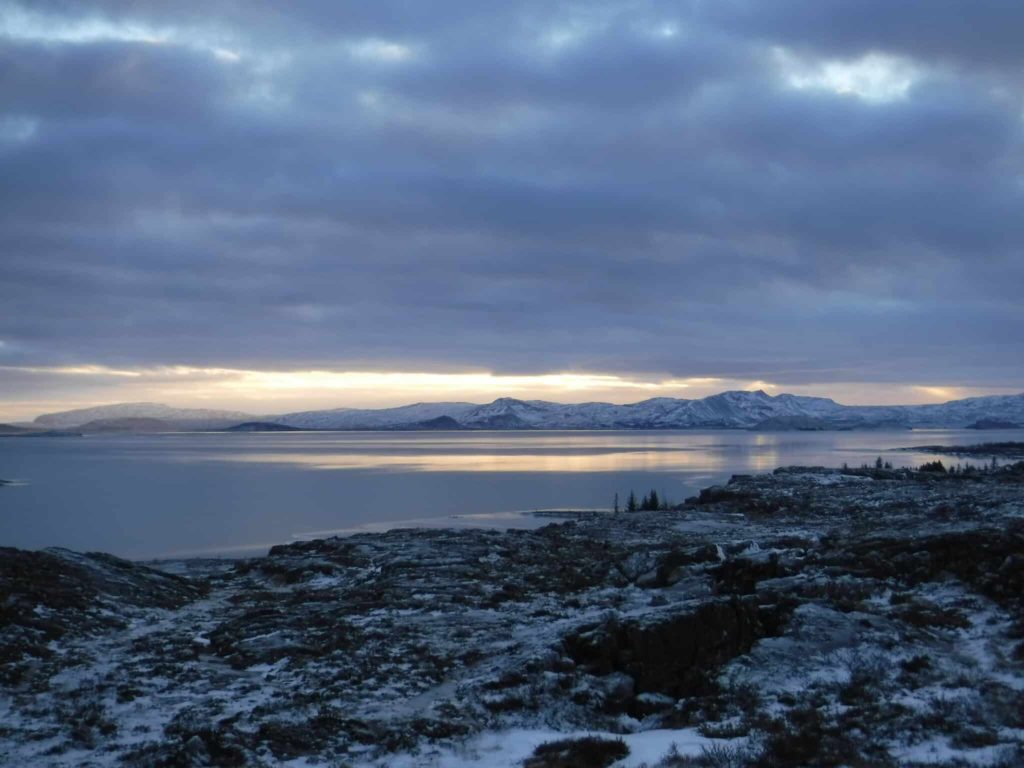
column 978, row 34
column 824, row 193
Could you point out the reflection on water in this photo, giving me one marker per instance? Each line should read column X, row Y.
column 571, row 452
column 765, row 457
column 216, row 493
column 574, row 461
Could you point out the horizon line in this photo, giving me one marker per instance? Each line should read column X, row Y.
column 509, row 397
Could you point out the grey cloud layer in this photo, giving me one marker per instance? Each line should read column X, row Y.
column 630, row 186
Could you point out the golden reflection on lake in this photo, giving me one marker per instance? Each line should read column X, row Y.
column 607, row 461
column 766, row 456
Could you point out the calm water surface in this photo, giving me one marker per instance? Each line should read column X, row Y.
column 193, row 494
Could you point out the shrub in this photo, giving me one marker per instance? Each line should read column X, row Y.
column 588, row 752
column 715, row 756
column 808, row 740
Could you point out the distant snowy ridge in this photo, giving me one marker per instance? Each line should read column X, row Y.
column 194, row 418
column 729, row 410
column 732, row 410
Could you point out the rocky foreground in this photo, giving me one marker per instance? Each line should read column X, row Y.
column 806, row 617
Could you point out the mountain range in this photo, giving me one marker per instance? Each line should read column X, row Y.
column 727, row 410
column 126, row 417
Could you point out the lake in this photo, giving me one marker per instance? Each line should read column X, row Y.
column 144, row 496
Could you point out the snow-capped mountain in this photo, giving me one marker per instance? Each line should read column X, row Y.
column 734, row 410
column 963, row 412
column 193, row 418
column 729, row 410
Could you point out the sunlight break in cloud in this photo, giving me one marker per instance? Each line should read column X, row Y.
column 21, row 25
column 872, row 77
column 375, row 49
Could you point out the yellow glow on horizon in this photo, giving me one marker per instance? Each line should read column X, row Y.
column 942, row 393
column 241, row 379
column 277, row 391
column 73, row 370
column 268, row 392
column 437, row 382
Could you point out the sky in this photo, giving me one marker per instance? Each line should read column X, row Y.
column 279, row 206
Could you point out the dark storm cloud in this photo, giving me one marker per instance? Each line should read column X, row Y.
column 631, row 187
column 108, row 79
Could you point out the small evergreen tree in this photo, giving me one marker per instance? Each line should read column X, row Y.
column 631, row 505
column 653, row 503
column 616, row 503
